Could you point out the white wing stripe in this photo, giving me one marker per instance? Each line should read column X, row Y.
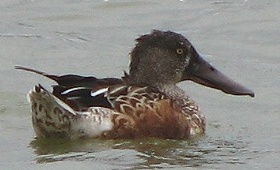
column 73, row 89
column 100, row 91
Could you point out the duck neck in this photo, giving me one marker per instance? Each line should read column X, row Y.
column 174, row 92
column 146, row 80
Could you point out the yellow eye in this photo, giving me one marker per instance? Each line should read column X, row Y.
column 179, row 51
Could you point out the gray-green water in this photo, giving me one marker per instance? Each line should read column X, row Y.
column 240, row 37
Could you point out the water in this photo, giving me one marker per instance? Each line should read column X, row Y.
column 241, row 38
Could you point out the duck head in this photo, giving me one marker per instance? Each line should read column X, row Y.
column 164, row 58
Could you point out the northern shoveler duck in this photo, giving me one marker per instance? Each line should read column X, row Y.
column 144, row 103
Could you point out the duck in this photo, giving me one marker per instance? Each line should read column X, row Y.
column 145, row 102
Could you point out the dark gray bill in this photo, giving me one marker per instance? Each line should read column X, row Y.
column 200, row 71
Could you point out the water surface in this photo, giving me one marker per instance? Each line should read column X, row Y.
column 241, row 38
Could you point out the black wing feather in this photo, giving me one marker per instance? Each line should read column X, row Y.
column 80, row 89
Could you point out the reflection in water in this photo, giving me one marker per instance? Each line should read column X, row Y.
column 143, row 153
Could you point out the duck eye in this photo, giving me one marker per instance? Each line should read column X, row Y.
column 179, row 51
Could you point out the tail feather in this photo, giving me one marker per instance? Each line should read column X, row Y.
column 71, row 80
column 51, row 117
column 68, row 81
column 53, row 77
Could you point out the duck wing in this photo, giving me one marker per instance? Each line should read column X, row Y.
column 79, row 92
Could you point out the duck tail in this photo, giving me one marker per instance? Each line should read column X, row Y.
column 53, row 77
column 51, row 117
